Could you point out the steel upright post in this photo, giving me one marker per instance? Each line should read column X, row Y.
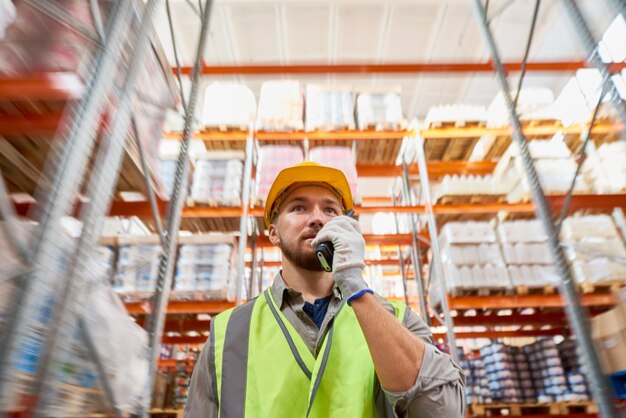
column 576, row 314
column 166, row 267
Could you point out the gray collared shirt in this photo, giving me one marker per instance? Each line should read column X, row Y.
column 439, row 391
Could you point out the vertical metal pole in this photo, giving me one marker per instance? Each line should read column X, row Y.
column 177, row 200
column 400, row 252
column 415, row 251
column 65, row 168
column 436, row 265
column 590, row 44
column 252, row 265
column 73, row 293
column 243, row 223
column 9, row 223
column 576, row 314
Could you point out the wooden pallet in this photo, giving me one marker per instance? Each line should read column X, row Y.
column 571, row 408
column 535, row 290
column 224, row 129
column 611, row 286
column 502, row 409
column 210, row 225
column 378, row 151
column 479, row 291
column 449, row 149
column 456, row 124
column 472, row 198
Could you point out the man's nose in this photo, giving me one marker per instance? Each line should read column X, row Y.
column 316, row 218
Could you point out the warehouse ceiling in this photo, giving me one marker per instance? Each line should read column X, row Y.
column 246, row 32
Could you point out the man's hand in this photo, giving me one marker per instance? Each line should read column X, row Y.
column 348, row 261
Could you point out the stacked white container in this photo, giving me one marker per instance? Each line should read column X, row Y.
column 272, row 159
column 341, row 158
column 228, row 105
column 204, row 267
column 217, row 181
column 329, row 108
column 281, row 107
column 471, row 257
column 527, row 254
column 137, row 268
column 594, row 248
column 379, row 111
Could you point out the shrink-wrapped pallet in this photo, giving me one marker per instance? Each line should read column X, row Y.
column 217, row 181
column 341, row 158
column 379, row 111
column 228, row 105
column 329, row 108
column 281, row 107
column 272, row 159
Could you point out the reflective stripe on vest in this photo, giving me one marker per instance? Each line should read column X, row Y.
column 266, row 370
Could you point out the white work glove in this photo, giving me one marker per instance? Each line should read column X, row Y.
column 348, row 261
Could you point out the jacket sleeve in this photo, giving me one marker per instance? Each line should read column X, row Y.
column 201, row 401
column 439, row 389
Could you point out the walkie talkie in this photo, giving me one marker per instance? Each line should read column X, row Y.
column 326, row 250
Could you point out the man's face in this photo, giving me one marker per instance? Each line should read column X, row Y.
column 300, row 217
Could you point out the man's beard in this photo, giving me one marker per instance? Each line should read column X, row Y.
column 303, row 260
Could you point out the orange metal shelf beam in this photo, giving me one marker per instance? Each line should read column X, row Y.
column 526, row 301
column 142, row 209
column 393, row 68
column 29, row 124
column 529, row 131
column 211, row 307
column 435, row 169
column 54, row 86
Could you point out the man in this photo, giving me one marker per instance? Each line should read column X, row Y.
column 316, row 343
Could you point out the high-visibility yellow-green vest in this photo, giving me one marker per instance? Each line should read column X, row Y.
column 263, row 368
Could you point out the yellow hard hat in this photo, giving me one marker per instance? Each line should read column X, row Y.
column 307, row 172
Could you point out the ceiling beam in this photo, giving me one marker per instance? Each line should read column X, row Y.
column 395, row 68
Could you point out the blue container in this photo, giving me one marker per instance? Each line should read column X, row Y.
column 619, row 384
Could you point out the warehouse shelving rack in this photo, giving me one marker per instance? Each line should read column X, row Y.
column 41, row 88
column 72, row 135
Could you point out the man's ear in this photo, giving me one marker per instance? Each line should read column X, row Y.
column 273, row 234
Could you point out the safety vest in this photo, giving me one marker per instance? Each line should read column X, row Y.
column 263, row 368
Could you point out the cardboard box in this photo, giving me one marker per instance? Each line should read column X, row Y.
column 609, row 335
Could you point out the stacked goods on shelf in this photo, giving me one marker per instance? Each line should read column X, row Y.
column 476, row 383
column 533, row 104
column 526, row 254
column 453, row 187
column 578, row 388
column 608, row 167
column 329, row 108
column 281, row 107
column 121, row 343
column 167, row 174
column 341, row 158
column 36, row 42
column 471, row 258
column 105, row 256
column 137, row 267
column 379, row 111
column 455, row 115
column 217, row 181
column 507, row 373
column 554, row 164
column 182, row 379
column 547, row 371
column 272, row 159
column 595, row 249
column 228, row 105
column 204, row 268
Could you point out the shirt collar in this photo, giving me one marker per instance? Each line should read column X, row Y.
column 280, row 290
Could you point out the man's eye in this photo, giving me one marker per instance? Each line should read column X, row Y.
column 298, row 208
column 331, row 210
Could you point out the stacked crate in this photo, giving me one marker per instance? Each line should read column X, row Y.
column 329, row 108
column 217, row 182
column 273, row 159
column 205, row 268
column 471, row 258
column 595, row 250
column 527, row 255
column 547, row 370
column 505, row 365
column 578, row 389
column 281, row 107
